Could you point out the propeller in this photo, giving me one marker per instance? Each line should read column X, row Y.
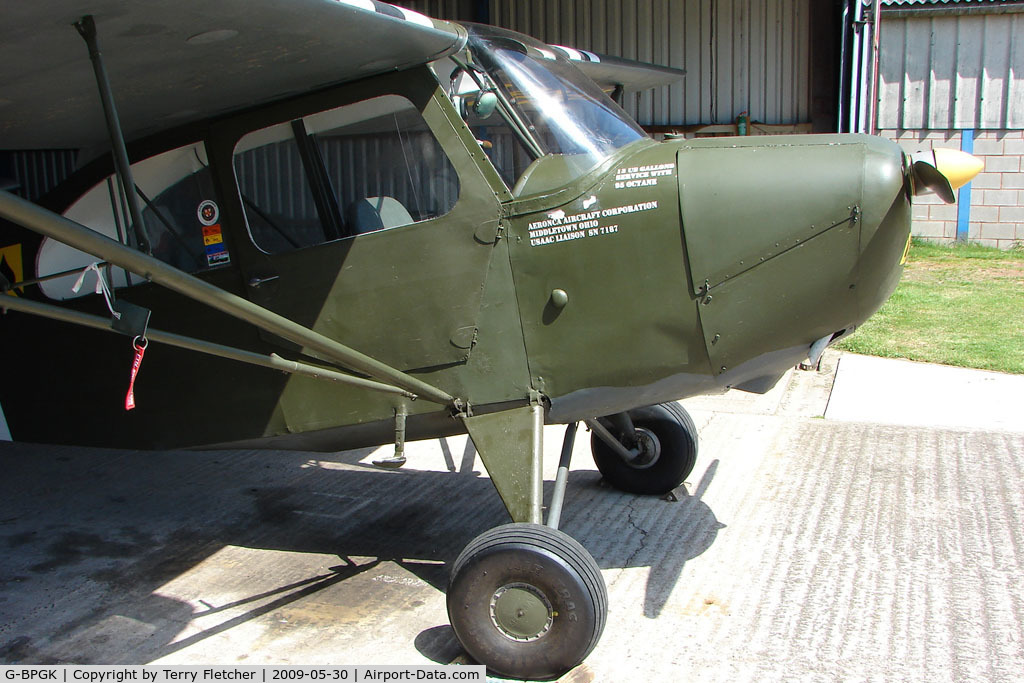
column 941, row 171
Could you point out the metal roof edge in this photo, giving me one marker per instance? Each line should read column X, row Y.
column 912, row 8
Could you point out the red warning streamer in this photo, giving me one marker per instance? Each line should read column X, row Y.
column 140, row 351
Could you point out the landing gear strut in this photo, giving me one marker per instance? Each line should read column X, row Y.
column 524, row 598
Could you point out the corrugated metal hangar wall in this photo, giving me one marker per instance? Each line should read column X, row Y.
column 951, row 74
column 740, row 55
column 951, row 71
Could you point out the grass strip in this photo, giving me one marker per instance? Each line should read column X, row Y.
column 960, row 305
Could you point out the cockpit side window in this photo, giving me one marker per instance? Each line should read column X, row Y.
column 279, row 204
column 490, row 125
column 506, row 152
column 563, row 122
column 502, row 145
column 357, row 169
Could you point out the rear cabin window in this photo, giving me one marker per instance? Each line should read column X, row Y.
column 178, row 207
column 356, row 169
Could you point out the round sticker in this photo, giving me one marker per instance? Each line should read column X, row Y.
column 208, row 212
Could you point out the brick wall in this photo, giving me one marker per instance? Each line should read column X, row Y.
column 997, row 193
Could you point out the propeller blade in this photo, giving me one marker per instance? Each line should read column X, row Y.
column 942, row 171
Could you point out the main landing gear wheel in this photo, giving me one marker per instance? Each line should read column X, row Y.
column 527, row 601
column 666, row 439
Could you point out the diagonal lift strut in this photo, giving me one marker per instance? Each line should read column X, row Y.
column 38, row 219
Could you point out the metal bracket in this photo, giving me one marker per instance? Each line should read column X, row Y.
column 510, row 444
column 461, row 409
column 398, row 459
column 705, row 297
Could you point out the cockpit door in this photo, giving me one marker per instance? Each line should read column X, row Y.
column 367, row 219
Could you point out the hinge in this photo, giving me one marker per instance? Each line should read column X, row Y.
column 461, row 409
column 704, row 296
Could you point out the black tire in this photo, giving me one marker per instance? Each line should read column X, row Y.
column 676, row 437
column 527, row 601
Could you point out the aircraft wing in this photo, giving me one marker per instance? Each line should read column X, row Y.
column 614, row 72
column 171, row 62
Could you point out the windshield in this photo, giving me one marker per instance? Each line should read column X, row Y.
column 560, row 111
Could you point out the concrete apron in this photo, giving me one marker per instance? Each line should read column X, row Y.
column 893, row 391
column 800, row 548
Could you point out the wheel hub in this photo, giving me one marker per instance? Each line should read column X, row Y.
column 648, row 447
column 521, row 612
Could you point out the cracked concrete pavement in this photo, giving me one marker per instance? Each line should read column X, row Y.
column 800, row 548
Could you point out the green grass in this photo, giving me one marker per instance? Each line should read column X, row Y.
column 961, row 305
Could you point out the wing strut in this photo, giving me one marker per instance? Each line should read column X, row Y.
column 26, row 214
column 87, row 29
column 273, row 361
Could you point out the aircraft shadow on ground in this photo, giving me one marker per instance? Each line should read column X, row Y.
column 93, row 534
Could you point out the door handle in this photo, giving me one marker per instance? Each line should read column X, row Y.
column 257, row 281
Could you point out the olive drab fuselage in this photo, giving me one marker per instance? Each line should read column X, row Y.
column 668, row 269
